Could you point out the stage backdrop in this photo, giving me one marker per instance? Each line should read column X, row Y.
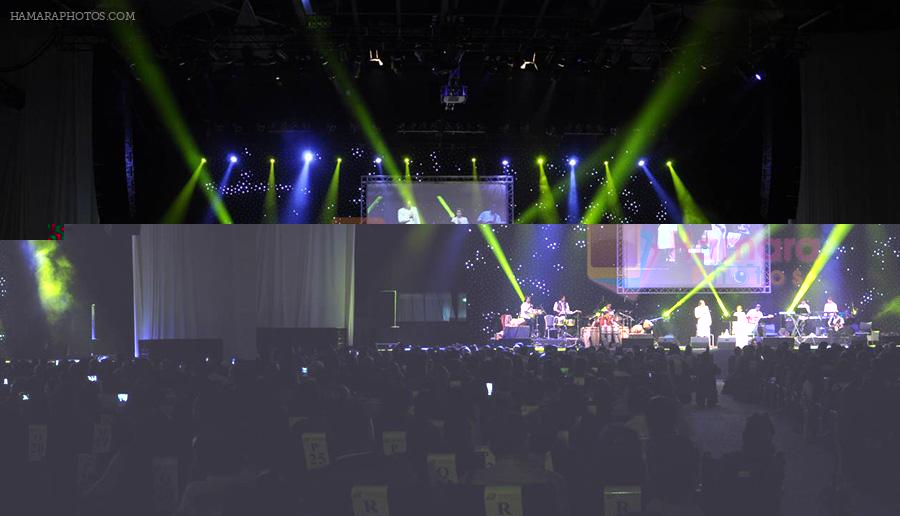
column 225, row 281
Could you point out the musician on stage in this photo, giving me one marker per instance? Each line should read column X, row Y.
column 408, row 214
column 753, row 317
column 704, row 319
column 527, row 312
column 610, row 332
column 561, row 307
column 739, row 327
column 803, row 308
column 830, row 307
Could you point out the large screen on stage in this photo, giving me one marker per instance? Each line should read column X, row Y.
column 672, row 257
column 437, row 201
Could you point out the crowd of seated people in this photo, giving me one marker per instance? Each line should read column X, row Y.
column 844, row 398
column 356, row 431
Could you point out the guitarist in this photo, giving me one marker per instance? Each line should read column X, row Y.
column 753, row 317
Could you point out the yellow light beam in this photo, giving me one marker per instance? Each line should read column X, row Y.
column 835, row 237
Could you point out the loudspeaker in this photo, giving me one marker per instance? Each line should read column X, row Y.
column 699, row 342
column 306, row 339
column 181, row 350
column 516, row 332
column 775, row 342
column 637, row 342
column 726, row 343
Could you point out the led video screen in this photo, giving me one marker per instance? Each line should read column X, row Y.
column 666, row 257
column 438, row 202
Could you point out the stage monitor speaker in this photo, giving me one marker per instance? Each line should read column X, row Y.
column 726, row 343
column 181, row 350
column 306, row 340
column 668, row 341
column 638, row 342
column 516, row 332
column 699, row 342
column 509, row 343
column 776, row 342
column 865, row 327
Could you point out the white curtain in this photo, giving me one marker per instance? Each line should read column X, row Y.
column 209, row 281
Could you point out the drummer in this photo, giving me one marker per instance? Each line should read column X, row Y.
column 561, row 308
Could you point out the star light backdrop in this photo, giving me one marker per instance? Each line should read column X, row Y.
column 550, row 260
column 243, row 184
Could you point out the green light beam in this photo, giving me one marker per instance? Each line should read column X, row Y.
column 755, row 239
column 684, row 239
column 153, row 81
column 494, row 246
column 546, row 200
column 53, row 273
column 665, row 101
column 835, row 237
column 271, row 214
column 178, row 210
column 690, row 211
column 372, row 206
column 446, row 206
column 331, row 197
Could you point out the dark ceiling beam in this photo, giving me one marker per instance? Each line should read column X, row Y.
column 397, row 9
column 597, row 10
column 355, row 15
column 497, row 16
column 540, row 16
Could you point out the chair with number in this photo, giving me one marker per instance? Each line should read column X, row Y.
column 530, row 499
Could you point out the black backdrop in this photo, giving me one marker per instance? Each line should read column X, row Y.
column 851, row 126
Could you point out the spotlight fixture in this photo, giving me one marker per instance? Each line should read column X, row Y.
column 505, row 163
column 307, row 156
column 669, row 163
column 606, row 163
column 540, row 160
column 232, row 158
column 378, row 160
column 573, row 162
column 271, row 160
column 641, row 163
column 758, row 76
column 405, row 160
column 339, row 159
column 202, row 160
column 473, row 160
